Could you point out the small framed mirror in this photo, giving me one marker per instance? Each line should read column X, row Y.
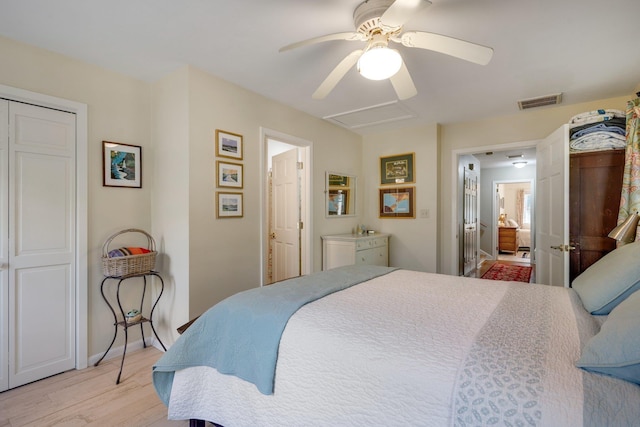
column 341, row 195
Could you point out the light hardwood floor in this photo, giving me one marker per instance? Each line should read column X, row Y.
column 90, row 397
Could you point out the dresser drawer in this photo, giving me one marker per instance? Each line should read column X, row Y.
column 371, row 243
column 508, row 239
column 349, row 249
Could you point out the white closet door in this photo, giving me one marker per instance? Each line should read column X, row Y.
column 4, row 245
column 42, row 242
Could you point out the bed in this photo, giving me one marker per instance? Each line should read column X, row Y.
column 524, row 238
column 399, row 347
column 524, row 234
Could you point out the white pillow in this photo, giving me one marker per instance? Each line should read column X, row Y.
column 512, row 223
column 610, row 280
column 614, row 350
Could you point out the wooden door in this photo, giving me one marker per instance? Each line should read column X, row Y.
column 552, row 209
column 595, row 184
column 42, row 242
column 285, row 236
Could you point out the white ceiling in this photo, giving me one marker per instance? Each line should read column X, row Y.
column 586, row 49
column 503, row 159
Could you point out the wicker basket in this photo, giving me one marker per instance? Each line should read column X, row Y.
column 132, row 264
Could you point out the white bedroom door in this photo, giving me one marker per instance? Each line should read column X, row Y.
column 38, row 244
column 285, row 237
column 470, row 222
column 4, row 245
column 552, row 209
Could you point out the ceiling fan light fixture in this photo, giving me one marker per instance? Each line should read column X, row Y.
column 379, row 63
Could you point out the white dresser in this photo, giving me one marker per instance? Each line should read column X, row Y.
column 349, row 249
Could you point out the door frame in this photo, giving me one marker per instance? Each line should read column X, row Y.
column 455, row 194
column 306, row 244
column 81, row 271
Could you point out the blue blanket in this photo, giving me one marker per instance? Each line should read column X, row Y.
column 241, row 334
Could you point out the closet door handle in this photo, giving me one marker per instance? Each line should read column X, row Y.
column 563, row 248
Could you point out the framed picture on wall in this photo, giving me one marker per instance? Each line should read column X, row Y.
column 229, row 205
column 121, row 165
column 398, row 169
column 228, row 144
column 229, row 174
column 397, row 202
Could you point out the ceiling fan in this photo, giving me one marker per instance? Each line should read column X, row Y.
column 377, row 23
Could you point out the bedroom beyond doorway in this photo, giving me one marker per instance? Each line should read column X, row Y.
column 514, row 207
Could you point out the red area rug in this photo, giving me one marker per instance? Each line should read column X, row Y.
column 508, row 272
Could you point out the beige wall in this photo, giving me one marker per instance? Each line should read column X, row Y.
column 118, row 110
column 413, row 243
column 170, row 198
column 465, row 137
column 224, row 254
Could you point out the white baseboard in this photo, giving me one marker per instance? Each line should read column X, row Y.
column 482, row 257
column 117, row 351
column 485, row 254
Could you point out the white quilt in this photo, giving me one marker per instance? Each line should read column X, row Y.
column 417, row 349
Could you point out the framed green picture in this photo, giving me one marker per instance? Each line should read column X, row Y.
column 398, row 169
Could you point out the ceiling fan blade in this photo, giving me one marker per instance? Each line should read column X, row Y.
column 403, row 84
column 337, row 74
column 352, row 36
column 448, row 45
column 401, row 11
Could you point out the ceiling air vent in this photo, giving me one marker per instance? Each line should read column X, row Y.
column 540, row 101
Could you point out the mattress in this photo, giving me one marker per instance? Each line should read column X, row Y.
column 422, row 349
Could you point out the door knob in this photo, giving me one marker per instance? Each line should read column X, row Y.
column 272, row 236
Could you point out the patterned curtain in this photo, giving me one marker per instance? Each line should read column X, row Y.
column 520, row 206
column 630, row 198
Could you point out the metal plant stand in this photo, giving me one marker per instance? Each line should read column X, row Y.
column 124, row 323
